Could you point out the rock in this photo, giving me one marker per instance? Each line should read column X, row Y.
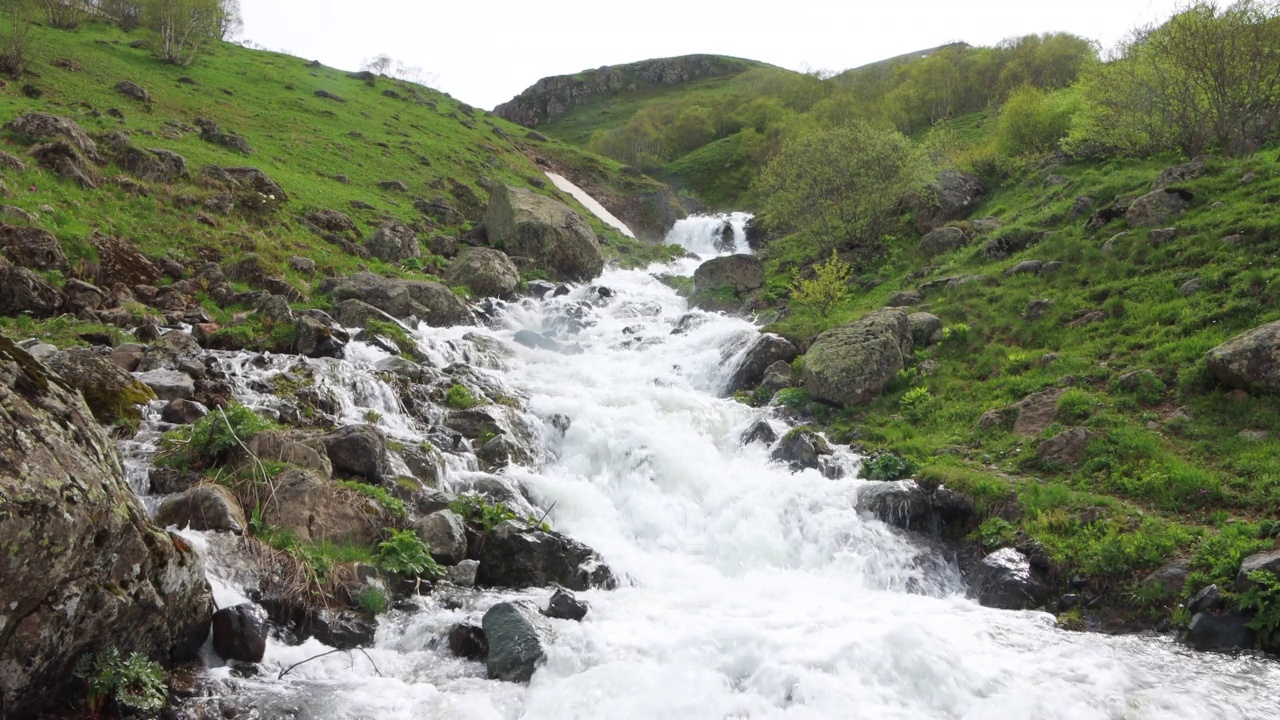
column 564, row 605
column 203, row 507
column 394, row 185
column 1267, row 561
column 316, row 510
column 1036, row 412
column 83, row 567
column 166, row 351
column 120, row 261
column 1208, row 599
column 32, row 248
column 489, row 273
column 112, row 393
column 253, row 179
column 906, row 505
column 133, row 90
column 1190, row 287
column 463, row 574
column 316, row 339
column 127, row 356
column 1163, row 236
column 1029, row 267
column 1082, row 206
column 1181, row 173
column 1157, row 208
column 1169, row 578
column 38, row 126
column 326, row 95
column 1051, row 267
column 523, row 223
column 24, row 292
column 765, row 350
column 334, row 221
column 301, row 451
column 853, row 364
column 468, row 642
column 11, row 163
column 437, row 305
column 517, row 556
column 1067, row 448
column 949, row 283
column 359, row 450
column 66, row 162
column 394, row 242
column 240, row 633
column 303, row 265
column 385, row 294
column 904, row 299
column 81, row 296
column 182, row 412
column 169, row 384
column 990, row 420
column 801, row 449
column 355, row 314
column 343, row 630
column 445, row 535
column 943, row 240
column 926, row 329
column 1036, row 309
column 760, row 432
column 952, row 196
column 517, row 635
column 1220, row 632
column 985, row 225
column 777, row 376
column 1250, row 361
column 738, row 274
column 439, row 210
column 1005, row 579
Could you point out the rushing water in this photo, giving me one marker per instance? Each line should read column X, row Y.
column 748, row 592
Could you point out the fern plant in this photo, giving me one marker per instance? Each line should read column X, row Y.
column 1263, row 598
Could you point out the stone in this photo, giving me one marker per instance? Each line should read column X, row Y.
column 1250, row 361
column 801, row 449
column 904, row 299
column 990, row 420
column 1181, row 173
column 440, row 210
column 1162, row 236
column 985, row 225
column 291, row 448
column 359, row 450
column 1029, row 267
column 394, row 185
column 343, row 630
column 445, row 535
column 127, row 356
column 1267, row 561
column 943, row 240
column 1208, row 599
column 904, row 504
column 487, row 272
column 80, row 296
column 1157, row 208
column 463, row 574
column 1190, row 287
column 853, row 364
column 84, row 567
column 32, row 248
column 326, row 95
column 24, row 292
column 385, row 294
column 1036, row 412
column 111, row 393
column 394, row 242
column 437, row 305
column 166, row 351
column 765, row 350
column 133, row 90
column 952, row 196
column 926, row 329
column 738, row 274
column 1037, row 309
column 1081, row 207
column 39, row 126
column 120, row 261
column 517, row 635
column 240, row 633
column 64, row 160
column 182, row 412
column 169, row 384
column 1006, row 579
column 1208, row 631
column 760, row 432
column 777, row 376
column 1051, row 267
column 303, row 265
column 564, row 605
column 315, row 510
column 1067, row 448
column 517, row 556
column 1169, row 578
column 203, row 507
column 468, row 642
column 521, row 222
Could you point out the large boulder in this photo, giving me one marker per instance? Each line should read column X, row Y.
column 517, row 635
column 1231, row 631
column 517, row 556
column 315, row 509
column 120, row 261
column 437, row 305
column 1067, row 448
column 559, row 240
column 240, row 633
column 904, row 504
column 1157, row 208
column 488, row 272
column 386, row 294
column 737, row 274
column 802, row 449
column 952, row 196
column 83, row 569
column 926, row 329
column 1007, row 580
column 359, row 450
column 38, row 126
column 1267, row 561
column 762, row 353
column 32, row 248
column 394, row 242
column 113, row 394
column 1037, row 412
column 445, row 535
column 1249, row 361
column 23, row 291
column 203, row 507
column 942, row 240
column 853, row 364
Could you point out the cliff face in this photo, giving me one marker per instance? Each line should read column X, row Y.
column 551, row 97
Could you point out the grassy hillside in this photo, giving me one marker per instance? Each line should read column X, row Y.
column 325, row 153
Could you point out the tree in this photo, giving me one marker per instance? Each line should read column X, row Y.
column 125, row 13
column 15, row 35
column 63, row 14
column 843, row 186
column 185, row 27
column 230, row 21
column 1033, row 122
column 379, row 64
column 828, row 288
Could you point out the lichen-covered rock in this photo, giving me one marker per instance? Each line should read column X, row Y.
column 203, row 507
column 952, row 196
column 1249, row 361
column 445, row 535
column 1157, row 207
column 735, row 274
column 111, row 393
column 315, row 509
column 523, row 223
column 853, row 364
column 394, row 242
column 32, row 248
column 359, row 450
column 489, row 273
column 926, row 329
column 517, row 556
column 81, row 567
column 38, row 126
column 22, row 291
column 942, row 240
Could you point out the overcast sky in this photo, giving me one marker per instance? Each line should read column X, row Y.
column 484, row 52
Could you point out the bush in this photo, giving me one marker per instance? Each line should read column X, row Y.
column 393, row 505
column 480, row 512
column 136, row 683
column 405, row 555
column 887, row 466
column 372, row 601
column 460, row 398
column 1075, row 406
column 1033, row 122
column 957, row 334
column 1263, row 598
column 207, row 443
column 828, row 289
column 995, row 533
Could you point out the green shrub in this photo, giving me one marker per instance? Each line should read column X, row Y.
column 405, row 555
column 1263, row 598
column 393, row 332
column 1033, row 122
column 793, row 397
column 1075, row 406
column 460, row 398
column 480, row 512
column 137, row 683
column 957, row 334
column 887, row 466
column 372, row 600
column 207, row 442
column 916, row 403
column 828, row 289
column 994, row 533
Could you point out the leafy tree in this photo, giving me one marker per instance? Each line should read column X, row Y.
column 15, row 35
column 185, row 27
column 125, row 13
column 1034, row 122
column 843, row 186
column 230, row 21
column 62, row 14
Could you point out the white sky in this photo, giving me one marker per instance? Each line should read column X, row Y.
column 484, row 52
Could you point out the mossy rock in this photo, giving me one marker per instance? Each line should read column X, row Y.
column 110, row 392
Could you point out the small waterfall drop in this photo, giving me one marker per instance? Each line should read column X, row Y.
column 712, row 235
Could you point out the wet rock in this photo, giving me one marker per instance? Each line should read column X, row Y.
column 1067, row 448
column 517, row 556
column 100, row 574
column 112, row 394
column 926, row 329
column 204, row 507
column 517, row 635
column 489, row 273
column 564, row 605
column 738, row 274
column 1007, row 580
column 24, row 292
column 437, row 305
column 32, row 248
column 343, row 630
column 182, row 412
column 1268, row 561
column 943, row 240
column 240, row 633
column 468, row 642
column 1220, row 632
column 801, row 449
column 765, row 350
column 777, row 376
column 1157, row 208
column 169, row 384
column 359, row 450
column 463, row 574
column 906, row 505
column 1250, row 361
column 524, row 223
column 531, row 339
column 853, row 364
column 445, row 535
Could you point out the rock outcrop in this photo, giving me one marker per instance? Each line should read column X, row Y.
column 525, row 224
column 853, row 364
column 82, row 569
column 763, row 352
column 517, row 556
column 952, row 196
column 1249, row 361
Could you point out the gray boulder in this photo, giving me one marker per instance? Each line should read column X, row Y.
column 445, row 535
column 517, row 635
column 1249, row 361
column 904, row 299
column 564, row 605
column 904, row 504
column 853, row 364
column 523, row 223
column 394, row 242
column 437, row 305
column 1005, row 579
column 169, row 384
column 240, row 633
column 203, row 507
column 113, row 394
column 359, row 450
column 926, row 329
column 952, row 196
column 488, row 272
column 39, row 126
column 942, row 240
column 1157, row 207
column 760, row 355
column 1267, row 561
column 32, row 248
column 1208, row 631
column 801, row 449
column 1067, row 448
column 23, row 291
column 738, row 274
column 517, row 556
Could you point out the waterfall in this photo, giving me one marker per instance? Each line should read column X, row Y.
column 711, row 235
